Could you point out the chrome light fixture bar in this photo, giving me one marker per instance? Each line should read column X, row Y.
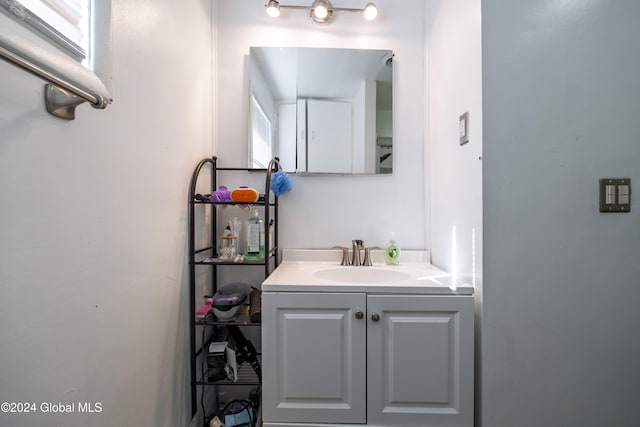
column 321, row 11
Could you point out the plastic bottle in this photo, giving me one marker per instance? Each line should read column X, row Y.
column 254, row 246
column 270, row 233
column 392, row 254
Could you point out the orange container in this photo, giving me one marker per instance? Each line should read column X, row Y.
column 246, row 195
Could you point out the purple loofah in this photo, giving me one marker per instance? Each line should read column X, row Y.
column 222, row 195
column 280, row 183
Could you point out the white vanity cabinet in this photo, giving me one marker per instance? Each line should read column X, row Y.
column 314, row 358
column 366, row 358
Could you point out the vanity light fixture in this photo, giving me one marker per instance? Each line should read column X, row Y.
column 321, row 11
column 370, row 11
column 273, row 8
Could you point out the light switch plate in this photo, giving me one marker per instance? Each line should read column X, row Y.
column 615, row 194
column 463, row 128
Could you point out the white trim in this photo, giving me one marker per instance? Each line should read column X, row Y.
column 22, row 43
column 64, row 22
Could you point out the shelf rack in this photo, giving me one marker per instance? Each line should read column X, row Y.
column 205, row 257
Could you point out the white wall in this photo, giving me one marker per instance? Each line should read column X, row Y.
column 560, row 89
column 454, row 87
column 324, row 211
column 93, row 296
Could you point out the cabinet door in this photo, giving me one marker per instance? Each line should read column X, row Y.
column 313, row 356
column 420, row 360
column 329, row 136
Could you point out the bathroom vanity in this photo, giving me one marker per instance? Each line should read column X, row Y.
column 374, row 346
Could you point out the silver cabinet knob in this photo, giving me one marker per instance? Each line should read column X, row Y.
column 375, row 317
column 359, row 314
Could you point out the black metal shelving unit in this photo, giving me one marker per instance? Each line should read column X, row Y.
column 201, row 257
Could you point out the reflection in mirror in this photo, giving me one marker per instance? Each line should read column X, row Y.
column 321, row 110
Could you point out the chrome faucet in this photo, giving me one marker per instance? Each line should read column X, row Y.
column 367, row 256
column 355, row 255
column 345, row 255
column 357, row 246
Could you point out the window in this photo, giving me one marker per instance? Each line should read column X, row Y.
column 64, row 22
column 52, row 39
column 261, row 135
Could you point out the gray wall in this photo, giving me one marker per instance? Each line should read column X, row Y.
column 560, row 105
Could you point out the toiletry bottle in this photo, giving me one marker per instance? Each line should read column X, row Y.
column 392, row 254
column 254, row 246
column 235, row 225
column 227, row 245
column 270, row 234
column 262, row 240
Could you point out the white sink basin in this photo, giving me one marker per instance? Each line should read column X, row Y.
column 361, row 275
column 307, row 270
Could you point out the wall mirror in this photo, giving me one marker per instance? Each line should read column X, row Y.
column 321, row 110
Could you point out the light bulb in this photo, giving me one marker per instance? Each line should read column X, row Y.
column 320, row 11
column 370, row 11
column 273, row 8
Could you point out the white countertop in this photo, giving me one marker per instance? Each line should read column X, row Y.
column 320, row 271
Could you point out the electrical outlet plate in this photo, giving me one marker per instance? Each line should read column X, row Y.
column 463, row 128
column 615, row 194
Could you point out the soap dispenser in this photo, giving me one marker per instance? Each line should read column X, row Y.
column 392, row 253
column 254, row 247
